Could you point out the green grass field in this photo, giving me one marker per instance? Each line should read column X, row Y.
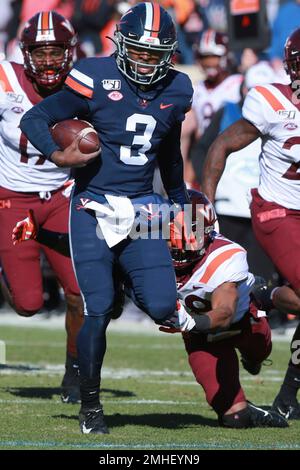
column 150, row 397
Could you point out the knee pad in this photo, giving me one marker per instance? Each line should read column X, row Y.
column 238, row 420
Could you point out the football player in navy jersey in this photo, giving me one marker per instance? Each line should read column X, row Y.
column 136, row 102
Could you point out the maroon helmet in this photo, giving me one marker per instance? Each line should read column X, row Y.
column 204, row 217
column 48, row 29
column 292, row 55
column 213, row 43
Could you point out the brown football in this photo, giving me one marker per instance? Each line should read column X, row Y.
column 64, row 133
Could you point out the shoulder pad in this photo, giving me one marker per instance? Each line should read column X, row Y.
column 80, row 82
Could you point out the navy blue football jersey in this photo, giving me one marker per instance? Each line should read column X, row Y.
column 132, row 124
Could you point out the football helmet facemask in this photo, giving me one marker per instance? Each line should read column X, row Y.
column 48, row 29
column 204, row 218
column 146, row 43
column 292, row 55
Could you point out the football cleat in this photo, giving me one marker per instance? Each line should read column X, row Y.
column 91, row 421
column 70, row 390
column 253, row 367
column 264, row 418
column 287, row 410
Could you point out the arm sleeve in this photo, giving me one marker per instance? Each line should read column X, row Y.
column 254, row 111
column 58, row 107
column 171, row 166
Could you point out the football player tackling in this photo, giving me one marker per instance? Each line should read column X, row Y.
column 272, row 113
column 214, row 285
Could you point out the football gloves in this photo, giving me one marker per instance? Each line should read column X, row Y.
column 180, row 322
column 25, row 229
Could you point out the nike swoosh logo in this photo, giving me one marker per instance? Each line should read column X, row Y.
column 282, row 413
column 260, row 409
column 165, row 106
column 86, row 430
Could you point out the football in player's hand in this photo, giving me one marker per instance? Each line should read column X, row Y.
column 65, row 132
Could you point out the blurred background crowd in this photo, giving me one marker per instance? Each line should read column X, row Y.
column 225, row 53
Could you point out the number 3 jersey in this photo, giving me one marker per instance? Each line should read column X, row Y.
column 22, row 167
column 224, row 261
column 275, row 113
column 132, row 124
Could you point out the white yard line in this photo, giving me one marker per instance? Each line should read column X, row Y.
column 148, row 446
column 131, row 373
column 37, row 401
column 131, row 321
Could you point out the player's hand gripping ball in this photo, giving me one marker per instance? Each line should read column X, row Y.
column 64, row 133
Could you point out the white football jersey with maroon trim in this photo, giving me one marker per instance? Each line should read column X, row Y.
column 207, row 101
column 22, row 167
column 225, row 261
column 271, row 109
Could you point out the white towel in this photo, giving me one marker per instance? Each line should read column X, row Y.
column 115, row 220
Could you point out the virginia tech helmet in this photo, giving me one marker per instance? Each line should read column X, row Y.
column 292, row 55
column 213, row 43
column 48, row 29
column 203, row 211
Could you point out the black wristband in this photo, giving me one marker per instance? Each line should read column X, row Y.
column 203, row 323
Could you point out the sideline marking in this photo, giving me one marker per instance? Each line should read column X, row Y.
column 147, row 446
